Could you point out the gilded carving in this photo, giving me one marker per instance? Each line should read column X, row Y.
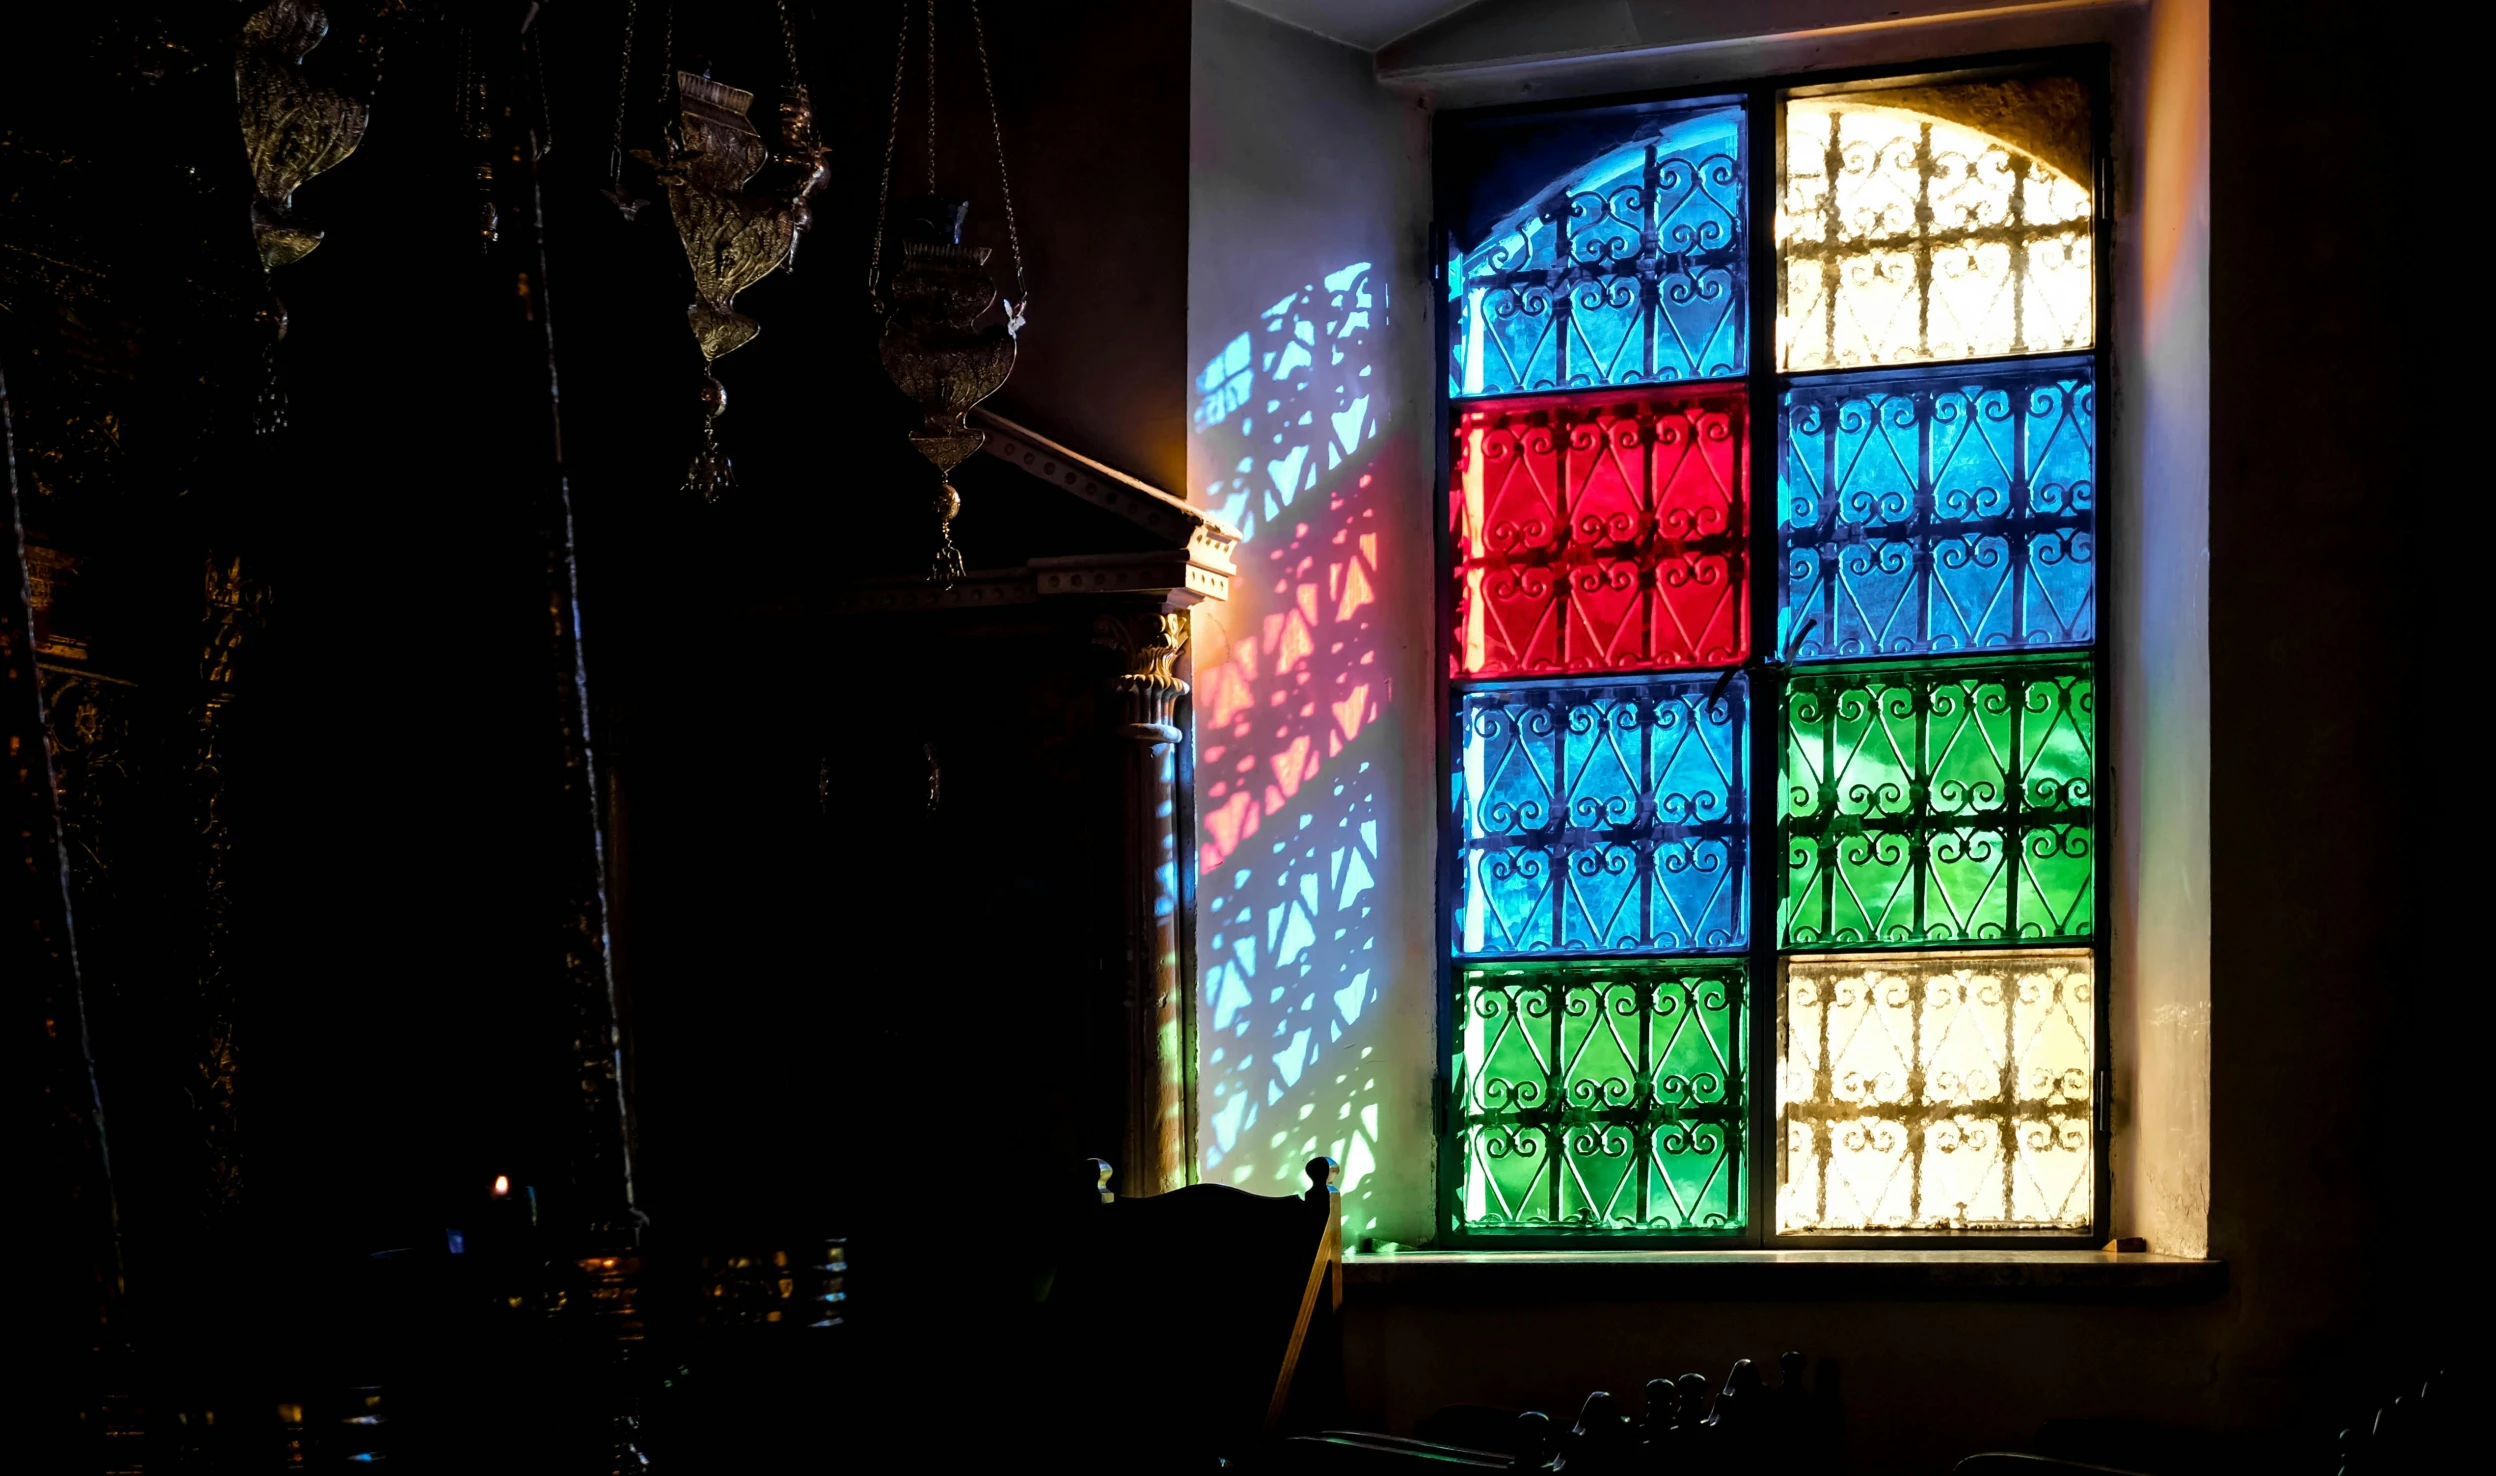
column 1148, row 645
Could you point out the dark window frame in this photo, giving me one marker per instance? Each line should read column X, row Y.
column 1456, row 143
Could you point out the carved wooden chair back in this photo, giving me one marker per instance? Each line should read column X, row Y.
column 1691, row 1428
column 1177, row 1322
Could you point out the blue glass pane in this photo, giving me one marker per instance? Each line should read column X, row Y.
column 1607, row 818
column 1628, row 271
column 1936, row 512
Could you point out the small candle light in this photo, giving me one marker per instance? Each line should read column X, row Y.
column 502, row 1186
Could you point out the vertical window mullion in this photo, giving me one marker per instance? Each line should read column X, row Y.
column 1763, row 157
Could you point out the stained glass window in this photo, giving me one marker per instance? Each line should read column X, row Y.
column 1910, row 229
column 1627, row 271
column 1601, row 533
column 1603, row 1097
column 1939, row 803
column 1941, row 1091
column 1604, row 819
column 1939, row 511
column 1925, row 674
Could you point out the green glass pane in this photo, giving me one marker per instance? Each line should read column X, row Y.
column 1939, row 802
column 1602, row 1098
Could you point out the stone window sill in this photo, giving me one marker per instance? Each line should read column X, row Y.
column 1779, row 1274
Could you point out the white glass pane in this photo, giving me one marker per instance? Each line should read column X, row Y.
column 1935, row 223
column 1937, row 1091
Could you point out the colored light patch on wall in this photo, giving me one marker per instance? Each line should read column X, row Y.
column 1938, row 512
column 1602, row 1097
column 1937, row 1091
column 1939, row 803
column 1607, row 818
column 1601, row 533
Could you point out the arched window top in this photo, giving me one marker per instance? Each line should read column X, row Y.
column 1905, row 236
column 1626, row 270
column 1707, row 144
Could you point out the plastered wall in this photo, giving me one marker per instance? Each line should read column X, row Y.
column 1307, row 330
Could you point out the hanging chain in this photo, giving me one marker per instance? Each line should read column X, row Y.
column 667, row 56
column 1020, row 303
column 542, row 138
column 892, row 136
column 931, row 97
column 788, row 45
column 623, row 90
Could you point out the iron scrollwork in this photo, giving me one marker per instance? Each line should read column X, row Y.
column 1603, row 1096
column 1629, row 281
column 1940, row 804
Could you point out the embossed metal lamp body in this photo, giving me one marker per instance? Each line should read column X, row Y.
column 292, row 130
column 935, row 351
column 733, row 237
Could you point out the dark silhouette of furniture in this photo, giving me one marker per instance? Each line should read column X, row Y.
column 1689, row 1428
column 1177, row 1326
column 2413, row 1432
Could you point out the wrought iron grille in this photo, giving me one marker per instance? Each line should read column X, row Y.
column 1929, row 654
column 1907, row 237
column 1939, row 803
column 1630, row 272
column 1943, row 1091
column 1603, row 1097
column 1603, row 819
column 1602, row 533
column 1941, row 511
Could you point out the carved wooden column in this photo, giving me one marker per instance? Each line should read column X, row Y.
column 1160, row 1019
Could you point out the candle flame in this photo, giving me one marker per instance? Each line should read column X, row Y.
column 502, row 1186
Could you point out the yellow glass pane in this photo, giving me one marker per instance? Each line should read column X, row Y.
column 1934, row 223
column 1937, row 1091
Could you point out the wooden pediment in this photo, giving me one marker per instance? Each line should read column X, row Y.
column 1042, row 521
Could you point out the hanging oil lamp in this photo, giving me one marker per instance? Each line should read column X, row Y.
column 292, row 130
column 940, row 347
column 739, row 206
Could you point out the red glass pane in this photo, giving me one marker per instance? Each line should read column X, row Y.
column 1601, row 532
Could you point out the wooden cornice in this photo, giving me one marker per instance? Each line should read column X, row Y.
column 1194, row 565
